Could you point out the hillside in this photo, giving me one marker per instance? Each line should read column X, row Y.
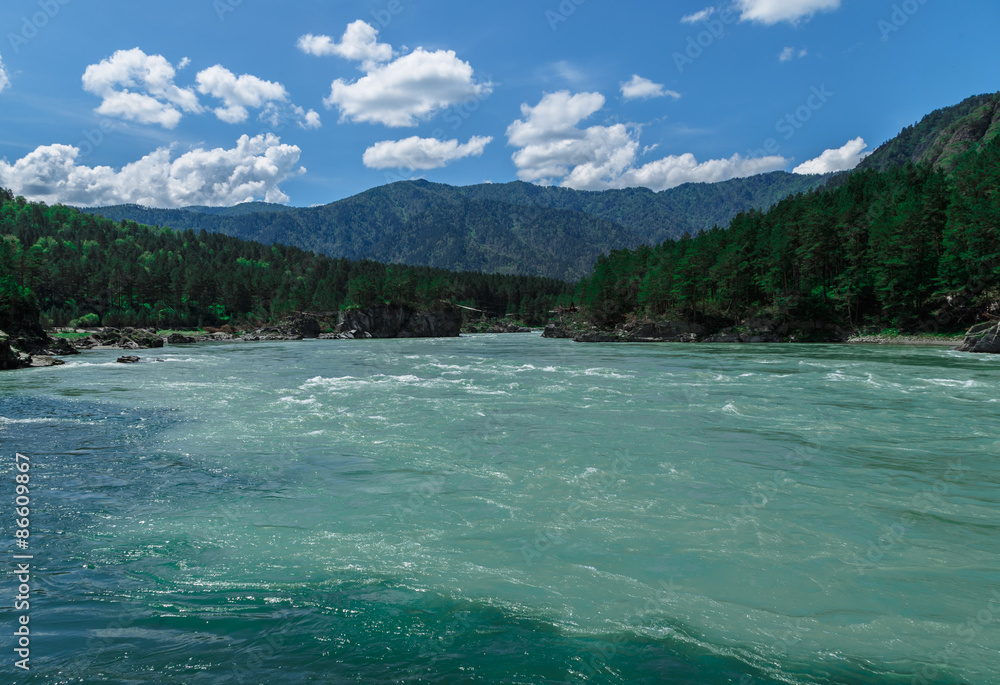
column 68, row 265
column 514, row 228
column 941, row 137
column 913, row 247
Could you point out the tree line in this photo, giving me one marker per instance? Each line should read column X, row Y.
column 890, row 248
column 78, row 268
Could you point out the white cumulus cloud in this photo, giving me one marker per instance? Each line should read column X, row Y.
column 140, row 87
column 238, row 93
column 422, row 153
column 774, row 11
column 252, row 170
column 554, row 149
column 359, row 43
column 841, row 159
column 640, row 88
column 4, row 78
column 397, row 93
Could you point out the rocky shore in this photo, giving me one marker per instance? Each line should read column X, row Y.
column 753, row 331
column 982, row 338
column 30, row 345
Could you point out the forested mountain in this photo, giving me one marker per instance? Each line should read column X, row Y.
column 915, row 247
column 71, row 265
column 514, row 228
column 941, row 137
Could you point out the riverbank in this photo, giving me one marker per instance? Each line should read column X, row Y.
column 929, row 340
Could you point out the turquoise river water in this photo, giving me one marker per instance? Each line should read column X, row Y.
column 507, row 509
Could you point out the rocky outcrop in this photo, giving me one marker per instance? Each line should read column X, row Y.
column 395, row 321
column 557, row 330
column 982, row 338
column 23, row 341
column 645, row 332
column 125, row 338
column 11, row 357
column 760, row 330
column 507, row 328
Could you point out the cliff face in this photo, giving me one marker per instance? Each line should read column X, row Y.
column 395, row 321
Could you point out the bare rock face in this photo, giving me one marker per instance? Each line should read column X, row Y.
column 394, row 321
column 982, row 338
column 555, row 330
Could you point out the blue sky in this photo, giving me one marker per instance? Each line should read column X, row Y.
column 306, row 102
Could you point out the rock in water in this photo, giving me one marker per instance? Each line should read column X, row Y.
column 128, row 359
column 982, row 338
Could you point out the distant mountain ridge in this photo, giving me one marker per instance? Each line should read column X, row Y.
column 513, row 228
column 942, row 136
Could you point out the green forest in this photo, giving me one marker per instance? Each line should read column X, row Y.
column 76, row 268
column 513, row 228
column 910, row 247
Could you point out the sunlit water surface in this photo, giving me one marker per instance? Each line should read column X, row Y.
column 510, row 509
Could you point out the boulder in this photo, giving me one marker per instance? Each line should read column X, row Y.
column 61, row 346
column 128, row 359
column 44, row 361
column 178, row 339
column 982, row 338
column 556, row 330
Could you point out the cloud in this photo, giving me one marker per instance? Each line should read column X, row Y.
column 553, row 149
column 140, row 87
column 240, row 92
column 396, row 93
column 422, row 153
column 773, row 11
column 698, row 16
column 250, row 171
column 359, row 43
column 841, row 159
column 788, row 54
column 643, row 88
column 4, row 78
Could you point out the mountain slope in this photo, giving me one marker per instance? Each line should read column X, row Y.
column 410, row 223
column 942, row 136
column 514, row 228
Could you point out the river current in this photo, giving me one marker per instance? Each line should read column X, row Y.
column 508, row 509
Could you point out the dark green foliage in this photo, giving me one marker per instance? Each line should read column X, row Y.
column 905, row 247
column 84, row 268
column 512, row 228
column 941, row 136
